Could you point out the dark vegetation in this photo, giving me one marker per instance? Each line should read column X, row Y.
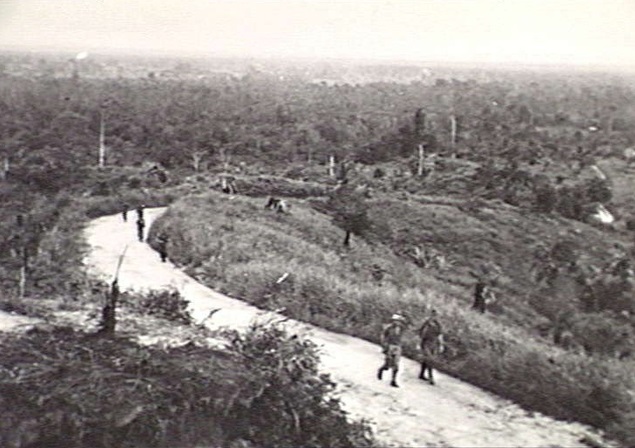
column 63, row 387
column 437, row 180
column 165, row 304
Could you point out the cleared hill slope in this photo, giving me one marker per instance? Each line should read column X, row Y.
column 233, row 245
column 451, row 414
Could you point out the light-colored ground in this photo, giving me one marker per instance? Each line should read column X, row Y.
column 452, row 413
column 11, row 322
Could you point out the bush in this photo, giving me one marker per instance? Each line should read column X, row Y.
column 571, row 202
column 601, row 333
column 287, row 398
column 350, row 212
column 546, row 198
column 278, row 186
column 72, row 389
column 598, row 190
column 84, row 391
column 166, row 304
column 378, row 173
column 624, row 429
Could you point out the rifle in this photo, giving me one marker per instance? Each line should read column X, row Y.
column 119, row 262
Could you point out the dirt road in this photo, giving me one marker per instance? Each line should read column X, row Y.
column 452, row 413
column 10, row 322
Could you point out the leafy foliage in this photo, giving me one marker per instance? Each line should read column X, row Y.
column 60, row 387
column 602, row 333
column 288, row 396
column 349, row 210
column 167, row 304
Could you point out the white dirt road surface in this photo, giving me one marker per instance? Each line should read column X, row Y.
column 451, row 413
column 13, row 322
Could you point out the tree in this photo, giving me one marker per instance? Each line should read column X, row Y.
column 109, row 317
column 599, row 190
column 546, row 198
column 524, row 114
column 349, row 211
column 601, row 333
column 420, row 123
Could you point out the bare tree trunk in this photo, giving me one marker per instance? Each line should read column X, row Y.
column 23, row 269
column 421, row 158
column 609, row 124
column 225, row 158
column 452, row 131
column 22, row 282
column 24, row 253
column 109, row 317
column 75, row 69
column 5, row 168
column 102, row 138
column 347, row 239
column 197, row 157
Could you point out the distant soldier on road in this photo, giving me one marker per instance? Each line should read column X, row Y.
column 140, row 227
column 162, row 241
column 124, row 212
column 140, row 211
column 391, row 344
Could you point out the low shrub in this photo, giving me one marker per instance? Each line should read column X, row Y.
column 167, row 304
column 66, row 388
column 15, row 305
column 277, row 186
column 287, row 397
column 602, row 333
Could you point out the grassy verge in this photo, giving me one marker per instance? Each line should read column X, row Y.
column 236, row 247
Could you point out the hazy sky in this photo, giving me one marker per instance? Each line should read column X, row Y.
column 531, row 31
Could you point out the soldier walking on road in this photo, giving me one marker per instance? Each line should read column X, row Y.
column 140, row 226
column 431, row 345
column 124, row 212
column 163, row 247
column 391, row 344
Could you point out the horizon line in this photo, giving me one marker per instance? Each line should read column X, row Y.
column 352, row 59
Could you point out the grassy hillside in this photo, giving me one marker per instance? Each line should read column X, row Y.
column 232, row 244
column 476, row 236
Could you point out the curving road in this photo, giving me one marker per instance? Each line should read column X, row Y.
column 452, row 413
